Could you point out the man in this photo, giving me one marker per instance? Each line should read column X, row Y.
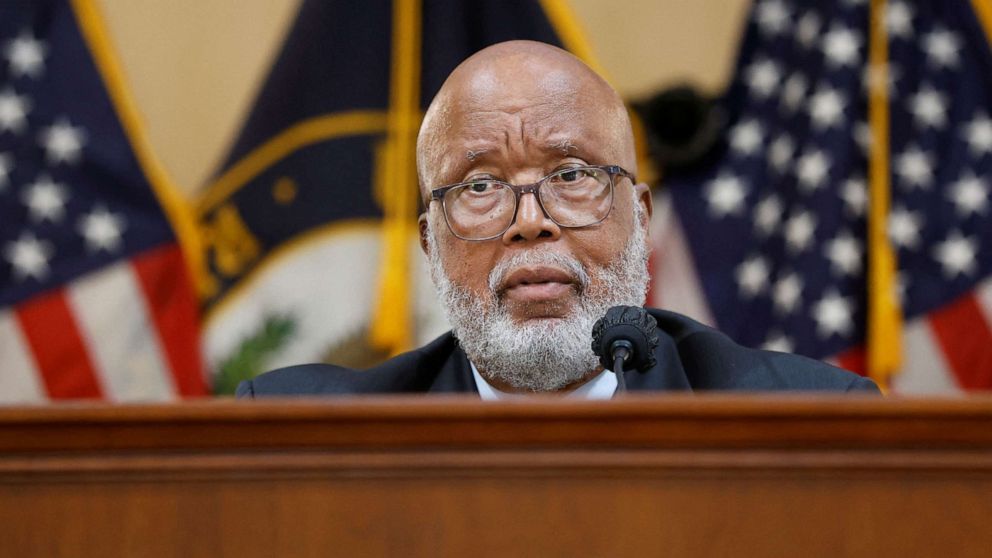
column 535, row 226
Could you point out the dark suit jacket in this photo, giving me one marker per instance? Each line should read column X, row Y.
column 690, row 357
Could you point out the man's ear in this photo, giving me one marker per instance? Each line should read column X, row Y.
column 422, row 223
column 644, row 197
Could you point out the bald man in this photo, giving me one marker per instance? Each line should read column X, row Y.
column 535, row 226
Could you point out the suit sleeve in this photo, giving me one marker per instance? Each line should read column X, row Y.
column 245, row 390
column 863, row 384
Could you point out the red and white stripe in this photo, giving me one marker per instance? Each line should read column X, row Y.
column 128, row 332
column 674, row 283
column 947, row 351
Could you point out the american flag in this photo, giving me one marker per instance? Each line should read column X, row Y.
column 769, row 243
column 95, row 300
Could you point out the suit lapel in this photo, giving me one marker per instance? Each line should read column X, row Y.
column 666, row 375
column 455, row 375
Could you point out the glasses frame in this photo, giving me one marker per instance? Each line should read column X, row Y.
column 535, row 188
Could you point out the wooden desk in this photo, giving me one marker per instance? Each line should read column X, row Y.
column 671, row 476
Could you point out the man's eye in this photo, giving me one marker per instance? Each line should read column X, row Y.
column 571, row 175
column 479, row 187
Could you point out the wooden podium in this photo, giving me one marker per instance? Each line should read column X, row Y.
column 640, row 476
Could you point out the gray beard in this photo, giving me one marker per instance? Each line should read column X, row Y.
column 542, row 355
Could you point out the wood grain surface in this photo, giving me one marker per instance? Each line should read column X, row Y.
column 671, row 476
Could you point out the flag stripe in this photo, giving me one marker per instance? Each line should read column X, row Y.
column 964, row 333
column 52, row 333
column 984, row 292
column 130, row 361
column 925, row 369
column 172, row 305
column 19, row 382
column 675, row 285
column 852, row 359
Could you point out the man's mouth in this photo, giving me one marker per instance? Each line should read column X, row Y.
column 539, row 283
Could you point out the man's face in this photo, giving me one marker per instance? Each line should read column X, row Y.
column 518, row 127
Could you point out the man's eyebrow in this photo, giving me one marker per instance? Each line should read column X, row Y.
column 565, row 146
column 472, row 155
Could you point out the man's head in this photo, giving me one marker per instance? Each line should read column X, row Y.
column 523, row 303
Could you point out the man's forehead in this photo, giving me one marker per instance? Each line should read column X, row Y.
column 536, row 122
column 538, row 135
column 519, row 97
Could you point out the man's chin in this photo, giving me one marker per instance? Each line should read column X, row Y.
column 542, row 322
column 540, row 314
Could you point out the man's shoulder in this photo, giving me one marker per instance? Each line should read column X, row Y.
column 713, row 361
column 413, row 371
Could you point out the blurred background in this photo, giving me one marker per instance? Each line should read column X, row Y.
column 195, row 67
column 195, row 192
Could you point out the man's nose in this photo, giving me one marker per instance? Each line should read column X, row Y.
column 531, row 222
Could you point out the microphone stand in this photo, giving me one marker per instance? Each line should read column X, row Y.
column 620, row 350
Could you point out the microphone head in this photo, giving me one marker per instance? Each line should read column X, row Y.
column 626, row 323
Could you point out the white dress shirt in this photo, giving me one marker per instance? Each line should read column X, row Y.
column 603, row 386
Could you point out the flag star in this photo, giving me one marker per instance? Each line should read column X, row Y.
column 746, row 137
column 978, row 134
column 787, row 293
column 6, row 165
column 780, row 153
column 752, row 276
column 970, row 195
column 840, row 46
column 942, row 47
column 45, row 200
column 956, row 254
column 26, row 56
column 14, row 110
column 898, row 20
column 826, row 108
column 904, row 227
column 725, row 194
column 63, row 142
column 854, row 192
column 915, row 168
column 793, row 92
column 777, row 341
column 767, row 215
column 844, row 253
column 762, row 77
column 811, row 170
column 808, row 29
column 902, row 286
column 833, row 315
column 29, row 257
column 772, row 17
column 929, row 107
column 799, row 230
column 861, row 133
column 102, row 230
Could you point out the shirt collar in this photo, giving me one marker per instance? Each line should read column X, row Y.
column 603, row 386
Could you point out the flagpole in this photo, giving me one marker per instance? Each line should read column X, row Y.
column 884, row 336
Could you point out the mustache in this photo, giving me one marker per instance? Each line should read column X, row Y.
column 532, row 258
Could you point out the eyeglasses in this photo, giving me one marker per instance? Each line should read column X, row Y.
column 573, row 197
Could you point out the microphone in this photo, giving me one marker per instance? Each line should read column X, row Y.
column 626, row 334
